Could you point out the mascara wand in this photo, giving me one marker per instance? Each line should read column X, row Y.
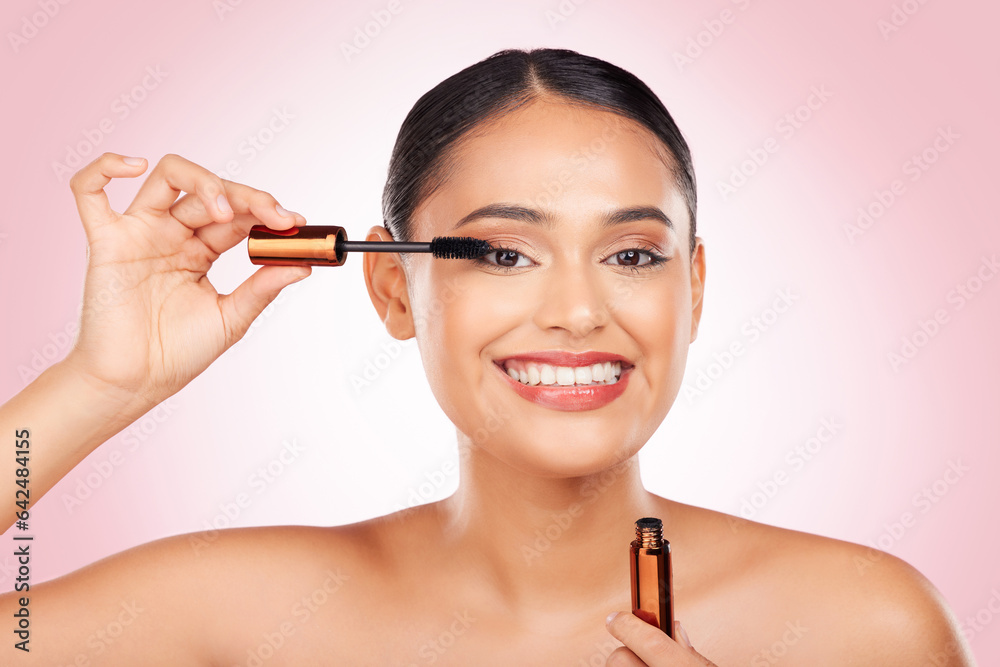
column 328, row 246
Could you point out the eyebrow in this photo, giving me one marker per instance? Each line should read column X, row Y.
column 535, row 217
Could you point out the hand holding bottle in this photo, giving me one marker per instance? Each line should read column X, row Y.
column 646, row 644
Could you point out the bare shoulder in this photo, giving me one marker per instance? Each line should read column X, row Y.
column 820, row 600
column 210, row 597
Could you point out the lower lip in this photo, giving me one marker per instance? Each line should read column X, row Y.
column 569, row 398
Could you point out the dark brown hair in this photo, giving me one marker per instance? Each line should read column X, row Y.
column 499, row 84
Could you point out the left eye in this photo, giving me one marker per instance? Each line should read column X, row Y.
column 631, row 257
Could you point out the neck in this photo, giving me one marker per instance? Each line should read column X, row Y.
column 547, row 544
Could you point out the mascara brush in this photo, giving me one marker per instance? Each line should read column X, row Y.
column 320, row 245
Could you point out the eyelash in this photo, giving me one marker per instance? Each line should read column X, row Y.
column 655, row 259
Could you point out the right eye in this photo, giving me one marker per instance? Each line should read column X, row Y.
column 503, row 259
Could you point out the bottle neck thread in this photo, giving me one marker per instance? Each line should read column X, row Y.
column 649, row 533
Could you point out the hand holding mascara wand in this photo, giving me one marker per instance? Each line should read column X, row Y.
column 328, row 246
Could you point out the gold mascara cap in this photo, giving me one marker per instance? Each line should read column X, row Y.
column 298, row 246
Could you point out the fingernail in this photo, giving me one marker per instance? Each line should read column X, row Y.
column 223, row 204
column 134, row 161
column 611, row 617
column 685, row 635
column 282, row 212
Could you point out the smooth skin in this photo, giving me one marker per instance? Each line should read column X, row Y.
column 521, row 565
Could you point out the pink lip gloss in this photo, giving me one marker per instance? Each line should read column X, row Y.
column 569, row 398
column 652, row 579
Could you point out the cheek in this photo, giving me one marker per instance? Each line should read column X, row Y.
column 482, row 309
column 457, row 320
column 657, row 316
column 455, row 342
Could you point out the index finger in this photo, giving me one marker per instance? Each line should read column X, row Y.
column 173, row 175
column 252, row 207
column 652, row 645
column 89, row 182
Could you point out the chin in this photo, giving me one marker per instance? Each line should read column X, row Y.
column 563, row 458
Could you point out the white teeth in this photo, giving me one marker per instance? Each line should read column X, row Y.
column 546, row 375
column 565, row 375
column 532, row 373
column 597, row 370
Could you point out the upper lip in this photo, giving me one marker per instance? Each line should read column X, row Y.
column 571, row 359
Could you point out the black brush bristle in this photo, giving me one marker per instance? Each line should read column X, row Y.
column 459, row 247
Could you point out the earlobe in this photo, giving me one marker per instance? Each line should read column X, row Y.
column 386, row 282
column 697, row 285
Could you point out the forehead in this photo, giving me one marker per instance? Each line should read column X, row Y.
column 569, row 161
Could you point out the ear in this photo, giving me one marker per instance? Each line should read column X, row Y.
column 386, row 282
column 697, row 285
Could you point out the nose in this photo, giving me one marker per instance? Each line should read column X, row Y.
column 574, row 298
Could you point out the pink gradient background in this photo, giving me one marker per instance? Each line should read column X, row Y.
column 826, row 357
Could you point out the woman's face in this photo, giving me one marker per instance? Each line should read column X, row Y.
column 564, row 283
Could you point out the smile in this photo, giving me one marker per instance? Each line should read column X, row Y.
column 534, row 373
column 564, row 381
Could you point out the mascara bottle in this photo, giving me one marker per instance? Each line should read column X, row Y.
column 652, row 580
column 327, row 245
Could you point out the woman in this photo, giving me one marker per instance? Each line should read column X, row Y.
column 573, row 168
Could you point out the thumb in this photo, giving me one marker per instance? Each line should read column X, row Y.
column 681, row 636
column 241, row 307
column 88, row 186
